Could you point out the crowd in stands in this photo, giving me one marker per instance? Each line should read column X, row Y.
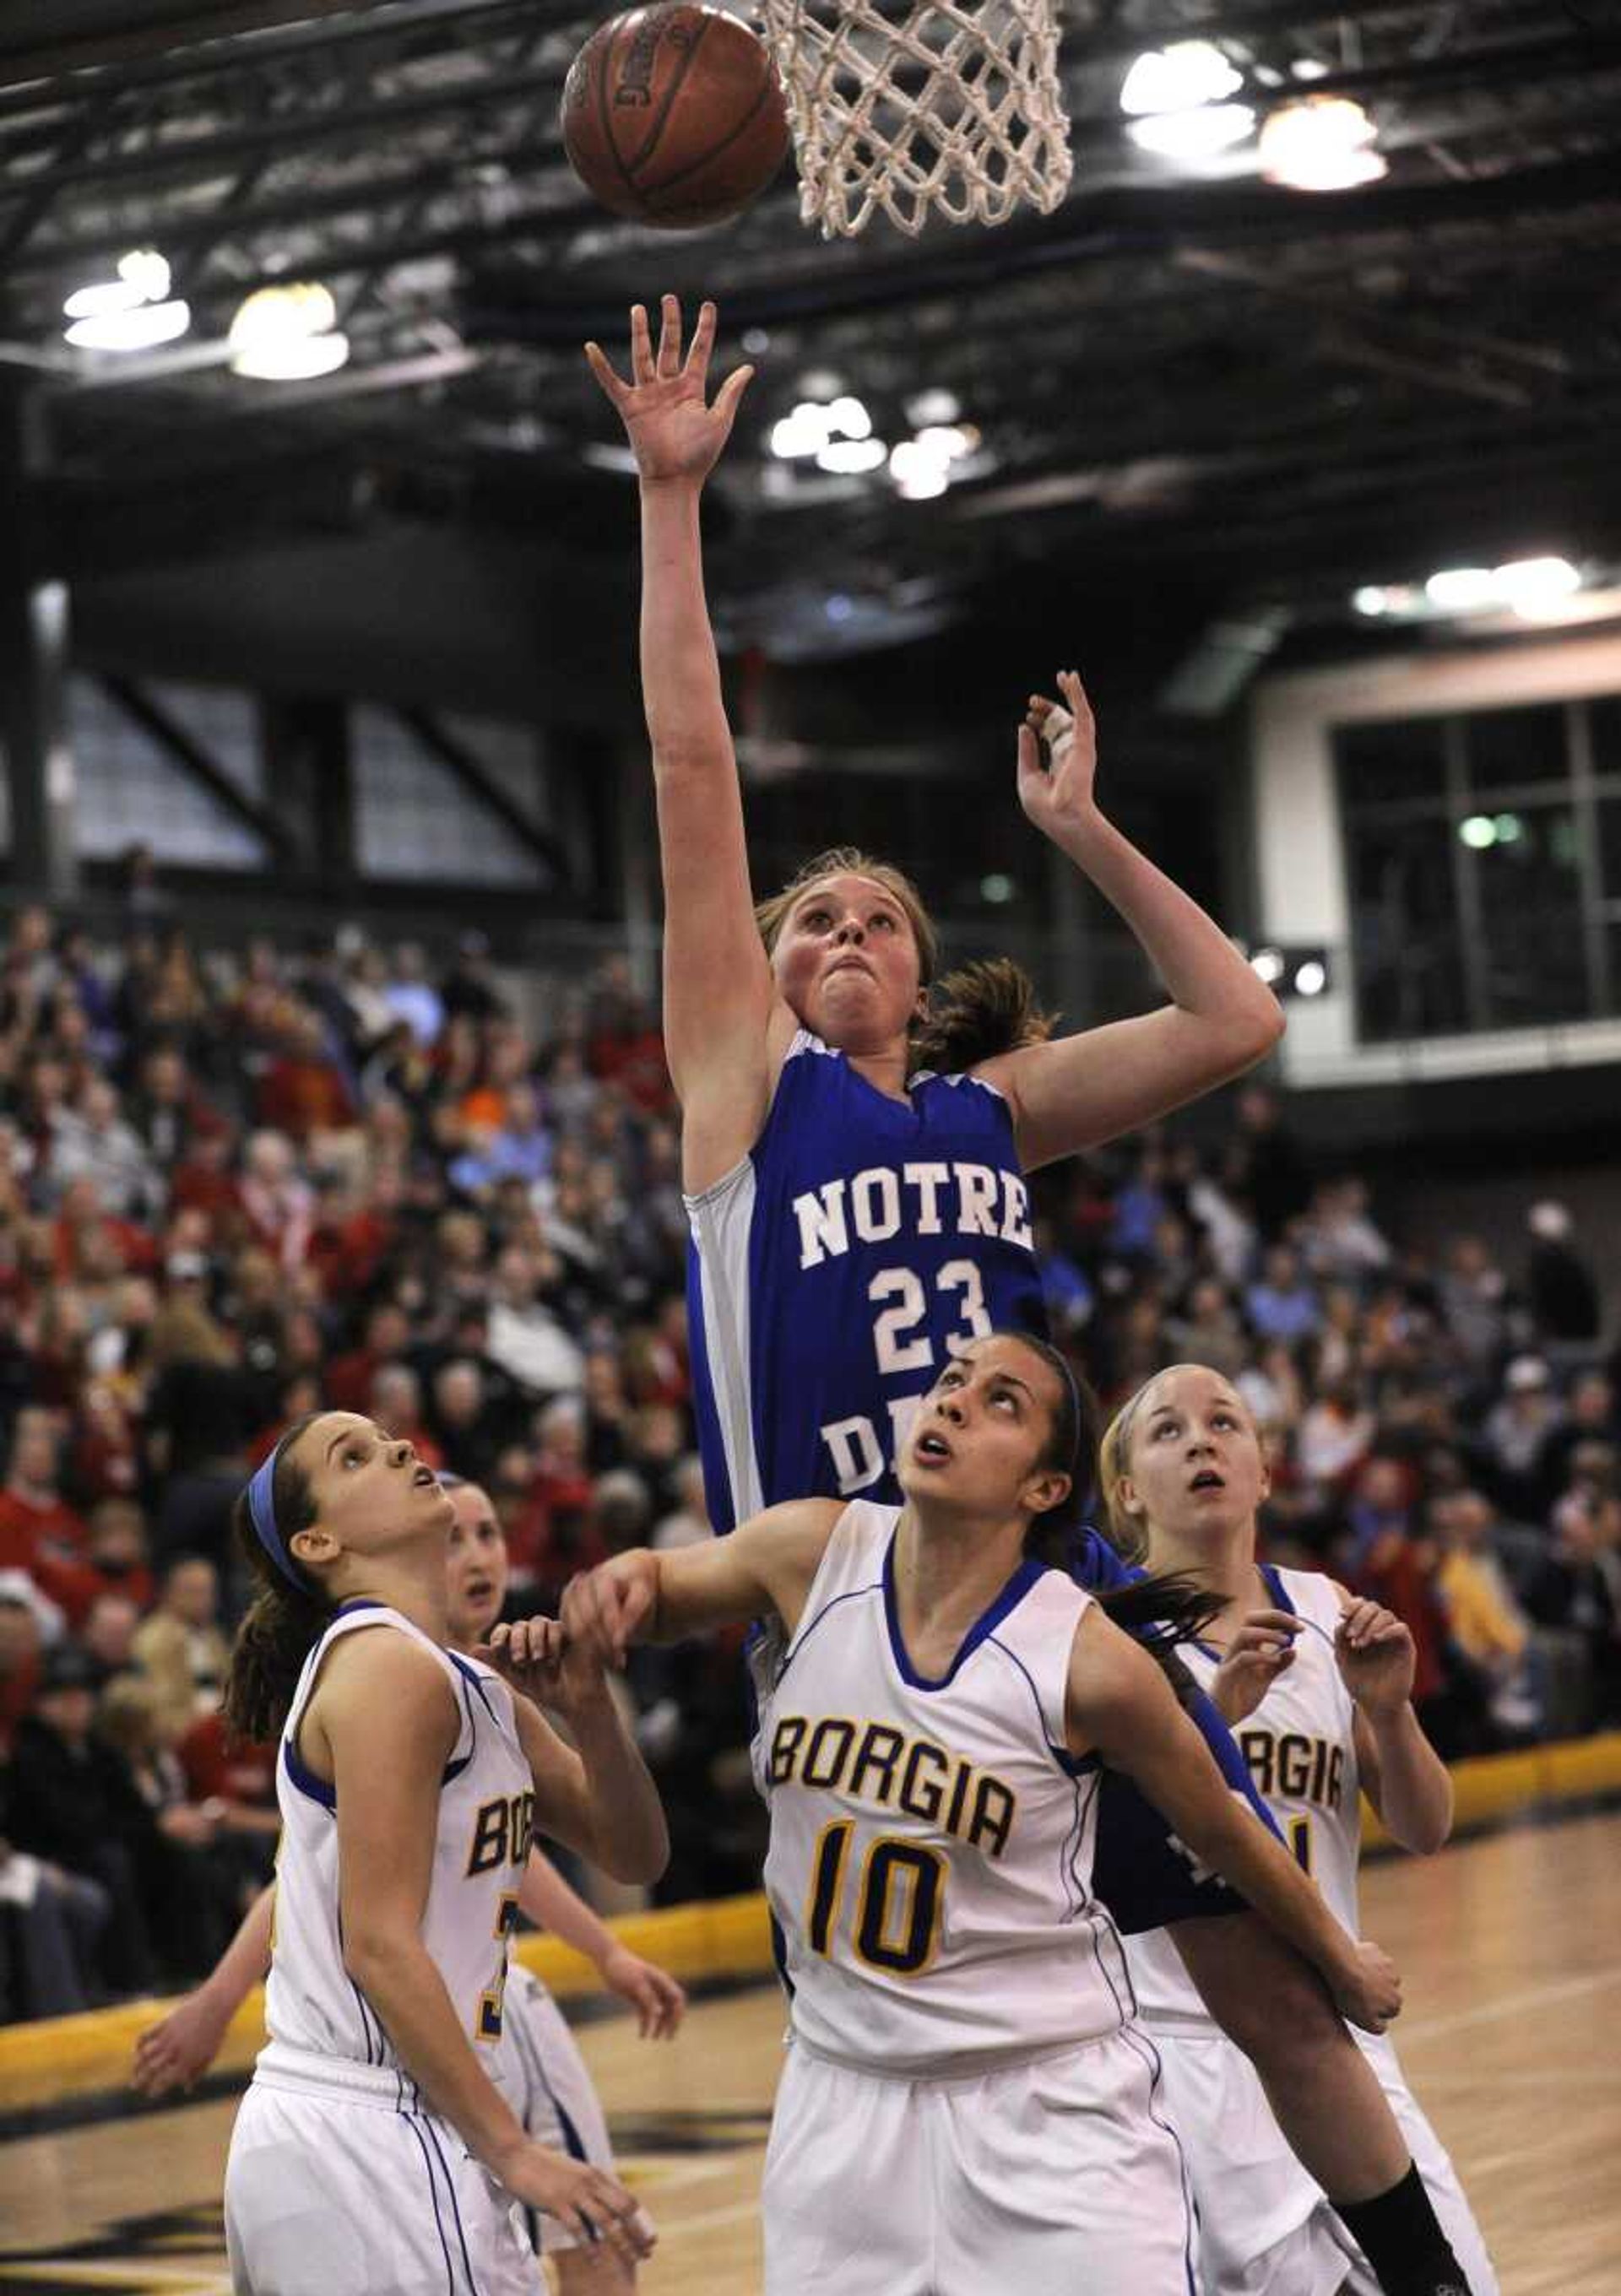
column 239, row 1188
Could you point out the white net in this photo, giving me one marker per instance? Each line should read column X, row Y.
column 940, row 107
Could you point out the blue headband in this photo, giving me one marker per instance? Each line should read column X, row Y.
column 261, row 1514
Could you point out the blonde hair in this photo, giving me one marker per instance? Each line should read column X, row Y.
column 1125, row 1530
column 980, row 1009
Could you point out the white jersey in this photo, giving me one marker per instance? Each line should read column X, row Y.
column 930, row 1862
column 486, row 1808
column 1300, row 1744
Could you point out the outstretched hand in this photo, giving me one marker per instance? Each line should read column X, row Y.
column 674, row 434
column 1058, row 759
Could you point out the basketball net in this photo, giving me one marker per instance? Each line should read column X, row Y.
column 954, row 108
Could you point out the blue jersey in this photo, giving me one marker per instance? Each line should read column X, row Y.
column 835, row 1270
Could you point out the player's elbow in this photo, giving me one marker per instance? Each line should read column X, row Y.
column 1423, row 1831
column 636, row 1858
column 375, row 1949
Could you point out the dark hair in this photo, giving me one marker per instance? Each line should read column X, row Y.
column 980, row 1009
column 283, row 1622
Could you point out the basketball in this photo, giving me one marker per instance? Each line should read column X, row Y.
column 673, row 115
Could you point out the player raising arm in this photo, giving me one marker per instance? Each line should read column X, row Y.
column 408, row 1781
column 928, row 1751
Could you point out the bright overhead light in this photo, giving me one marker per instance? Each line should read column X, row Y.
column 948, row 442
column 1175, row 78
column 1267, row 964
column 919, row 471
column 1462, row 589
column 847, row 418
column 287, row 334
column 302, row 358
column 1371, row 599
column 143, row 277
column 1196, row 134
column 142, row 328
column 805, row 431
column 936, row 405
column 1535, row 587
column 1478, row 832
column 1312, row 978
column 1510, row 828
column 1320, row 144
column 849, row 457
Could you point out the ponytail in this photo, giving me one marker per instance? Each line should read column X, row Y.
column 284, row 1620
column 980, row 1009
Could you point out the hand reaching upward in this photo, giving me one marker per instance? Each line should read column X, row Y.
column 675, row 434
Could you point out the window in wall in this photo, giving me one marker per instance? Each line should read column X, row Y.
column 1473, row 904
column 132, row 790
column 418, row 823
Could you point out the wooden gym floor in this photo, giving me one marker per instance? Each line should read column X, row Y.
column 1511, row 1949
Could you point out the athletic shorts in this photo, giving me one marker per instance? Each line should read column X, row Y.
column 1265, row 2228
column 544, row 2078
column 336, row 2186
column 1055, row 2175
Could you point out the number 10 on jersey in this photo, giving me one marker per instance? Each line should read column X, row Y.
column 899, row 1900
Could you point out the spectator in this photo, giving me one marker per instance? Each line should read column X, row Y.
column 412, row 997
column 1275, row 1173
column 1560, row 1287
column 1282, row 1305
column 1590, row 1417
column 180, row 1648
column 93, row 1141
column 39, row 1532
column 28, row 1621
column 108, row 1633
column 1484, row 1617
column 526, row 1339
column 1516, row 1432
column 687, row 1523
column 1338, row 1239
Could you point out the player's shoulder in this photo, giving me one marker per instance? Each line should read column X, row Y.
column 381, row 1652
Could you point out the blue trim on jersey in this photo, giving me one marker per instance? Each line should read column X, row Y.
column 1073, row 1766
column 456, row 2206
column 1276, row 1588
column 414, row 2127
column 358, row 1603
column 1190, row 2206
column 1096, row 1564
column 305, row 1778
column 874, row 1586
column 1012, row 1595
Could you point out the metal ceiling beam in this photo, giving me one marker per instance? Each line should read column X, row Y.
column 178, row 744
column 85, row 34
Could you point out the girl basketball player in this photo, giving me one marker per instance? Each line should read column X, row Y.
column 372, row 2149
column 1320, row 1683
column 854, row 1144
column 541, row 2069
column 967, row 2103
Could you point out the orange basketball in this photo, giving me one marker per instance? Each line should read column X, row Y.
column 673, row 114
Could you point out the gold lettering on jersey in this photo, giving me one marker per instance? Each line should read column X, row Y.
column 873, row 1206
column 501, row 1833
column 875, row 1762
column 1289, row 1765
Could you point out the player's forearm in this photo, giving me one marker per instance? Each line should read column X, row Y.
column 629, row 1838
column 547, row 1899
column 1415, row 1789
column 402, row 1986
column 1229, row 1839
column 245, row 1960
column 681, row 670
column 1198, row 965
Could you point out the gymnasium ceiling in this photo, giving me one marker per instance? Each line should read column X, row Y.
column 1179, row 379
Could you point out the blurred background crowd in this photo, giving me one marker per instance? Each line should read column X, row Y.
column 236, row 1187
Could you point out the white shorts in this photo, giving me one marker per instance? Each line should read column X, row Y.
column 1054, row 2175
column 333, row 2188
column 543, row 2077
column 1265, row 2228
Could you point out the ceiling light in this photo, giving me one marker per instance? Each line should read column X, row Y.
column 1478, row 832
column 1312, row 978
column 287, row 334
column 930, row 406
column 948, row 442
column 1175, row 78
column 996, row 888
column 1267, row 964
column 849, row 457
column 805, row 431
column 142, row 328
column 847, row 418
column 143, row 277
column 1372, row 598
column 1536, row 588
column 1309, row 68
column 1320, row 144
column 1510, row 828
column 919, row 473
column 303, row 358
column 1195, row 135
column 1462, row 589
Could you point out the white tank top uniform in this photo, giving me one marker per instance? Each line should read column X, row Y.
column 966, row 2101
column 1265, row 2227
column 341, row 2180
